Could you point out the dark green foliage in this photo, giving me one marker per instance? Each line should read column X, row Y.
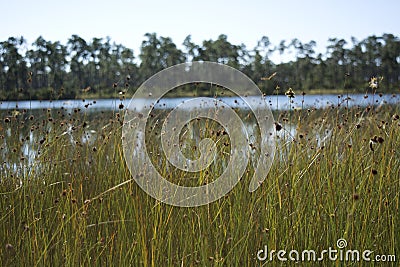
column 100, row 68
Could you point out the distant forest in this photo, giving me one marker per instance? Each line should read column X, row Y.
column 101, row 68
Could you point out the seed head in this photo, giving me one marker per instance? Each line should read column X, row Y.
column 278, row 127
column 373, row 83
column 290, row 93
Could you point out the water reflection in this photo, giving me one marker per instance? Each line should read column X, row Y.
column 279, row 102
column 82, row 124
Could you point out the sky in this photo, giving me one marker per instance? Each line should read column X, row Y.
column 126, row 21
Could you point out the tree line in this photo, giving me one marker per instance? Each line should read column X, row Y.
column 51, row 70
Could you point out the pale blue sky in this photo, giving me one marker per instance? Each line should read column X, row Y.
column 126, row 21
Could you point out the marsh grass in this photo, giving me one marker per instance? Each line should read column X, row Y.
column 67, row 197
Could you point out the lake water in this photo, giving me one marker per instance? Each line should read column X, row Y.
column 280, row 102
column 29, row 150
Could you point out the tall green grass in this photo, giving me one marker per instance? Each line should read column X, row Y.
column 335, row 175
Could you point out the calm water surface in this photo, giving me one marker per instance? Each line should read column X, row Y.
column 280, row 102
